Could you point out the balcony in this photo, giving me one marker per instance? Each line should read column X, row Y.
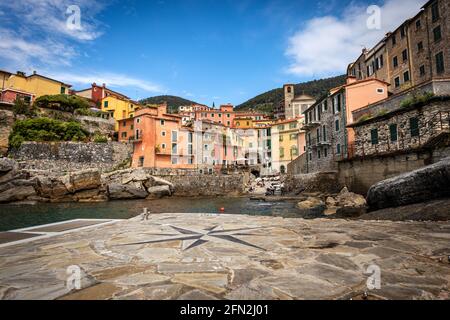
column 310, row 125
column 315, row 143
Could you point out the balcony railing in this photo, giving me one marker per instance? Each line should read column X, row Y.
column 318, row 142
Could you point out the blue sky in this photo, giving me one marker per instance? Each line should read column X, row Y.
column 204, row 50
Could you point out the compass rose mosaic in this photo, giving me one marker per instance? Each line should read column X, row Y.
column 195, row 238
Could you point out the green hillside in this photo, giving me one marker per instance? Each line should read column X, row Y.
column 172, row 101
column 316, row 88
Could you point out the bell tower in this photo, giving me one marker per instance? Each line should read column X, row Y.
column 289, row 95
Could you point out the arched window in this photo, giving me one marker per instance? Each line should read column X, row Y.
column 282, row 169
column 289, row 89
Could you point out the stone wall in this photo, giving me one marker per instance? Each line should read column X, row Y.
column 433, row 120
column 438, row 87
column 97, row 125
column 323, row 182
column 189, row 184
column 360, row 174
column 72, row 156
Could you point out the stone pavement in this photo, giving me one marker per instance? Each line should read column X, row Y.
column 201, row 256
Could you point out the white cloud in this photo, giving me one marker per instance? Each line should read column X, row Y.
column 326, row 45
column 34, row 33
column 112, row 80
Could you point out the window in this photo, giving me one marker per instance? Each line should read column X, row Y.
column 174, row 136
column 440, row 68
column 163, row 122
column 324, row 130
column 228, row 115
column 435, row 11
column 325, row 105
column 374, row 136
column 124, row 135
column 212, row 115
column 338, row 149
column 294, row 151
column 418, row 24
column 394, row 40
column 281, row 127
column 395, row 62
column 405, row 55
column 337, row 125
column 380, row 90
column 420, row 46
column 228, row 123
column 393, row 132
column 422, row 71
column 339, row 103
column 281, row 138
column 325, row 152
column 406, row 76
column 163, row 146
column 414, row 127
column 105, row 104
column 403, row 32
column 174, row 160
column 397, row 82
column 281, row 152
column 141, row 161
column 220, row 115
column 437, row 34
column 163, row 133
column 63, row 90
column 318, row 154
column 293, row 136
column 174, row 148
column 293, row 125
column 124, row 123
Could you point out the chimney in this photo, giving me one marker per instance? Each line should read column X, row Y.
column 34, row 72
column 104, row 85
column 94, row 84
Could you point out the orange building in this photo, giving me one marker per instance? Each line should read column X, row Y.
column 159, row 141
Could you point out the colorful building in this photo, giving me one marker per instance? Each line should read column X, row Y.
column 29, row 87
column 118, row 105
column 328, row 139
column 288, row 143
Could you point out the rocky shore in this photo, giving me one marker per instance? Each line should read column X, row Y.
column 33, row 186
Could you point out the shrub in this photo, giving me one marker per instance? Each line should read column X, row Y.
column 62, row 102
column 365, row 118
column 98, row 138
column 45, row 129
column 416, row 100
column 24, row 108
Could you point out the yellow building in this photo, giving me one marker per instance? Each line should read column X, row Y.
column 288, row 143
column 243, row 123
column 36, row 84
column 120, row 107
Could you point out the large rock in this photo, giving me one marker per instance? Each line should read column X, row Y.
column 18, row 193
column 311, row 207
column 159, row 192
column 7, row 165
column 84, row 180
column 127, row 191
column 425, row 184
column 51, row 188
column 156, row 182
